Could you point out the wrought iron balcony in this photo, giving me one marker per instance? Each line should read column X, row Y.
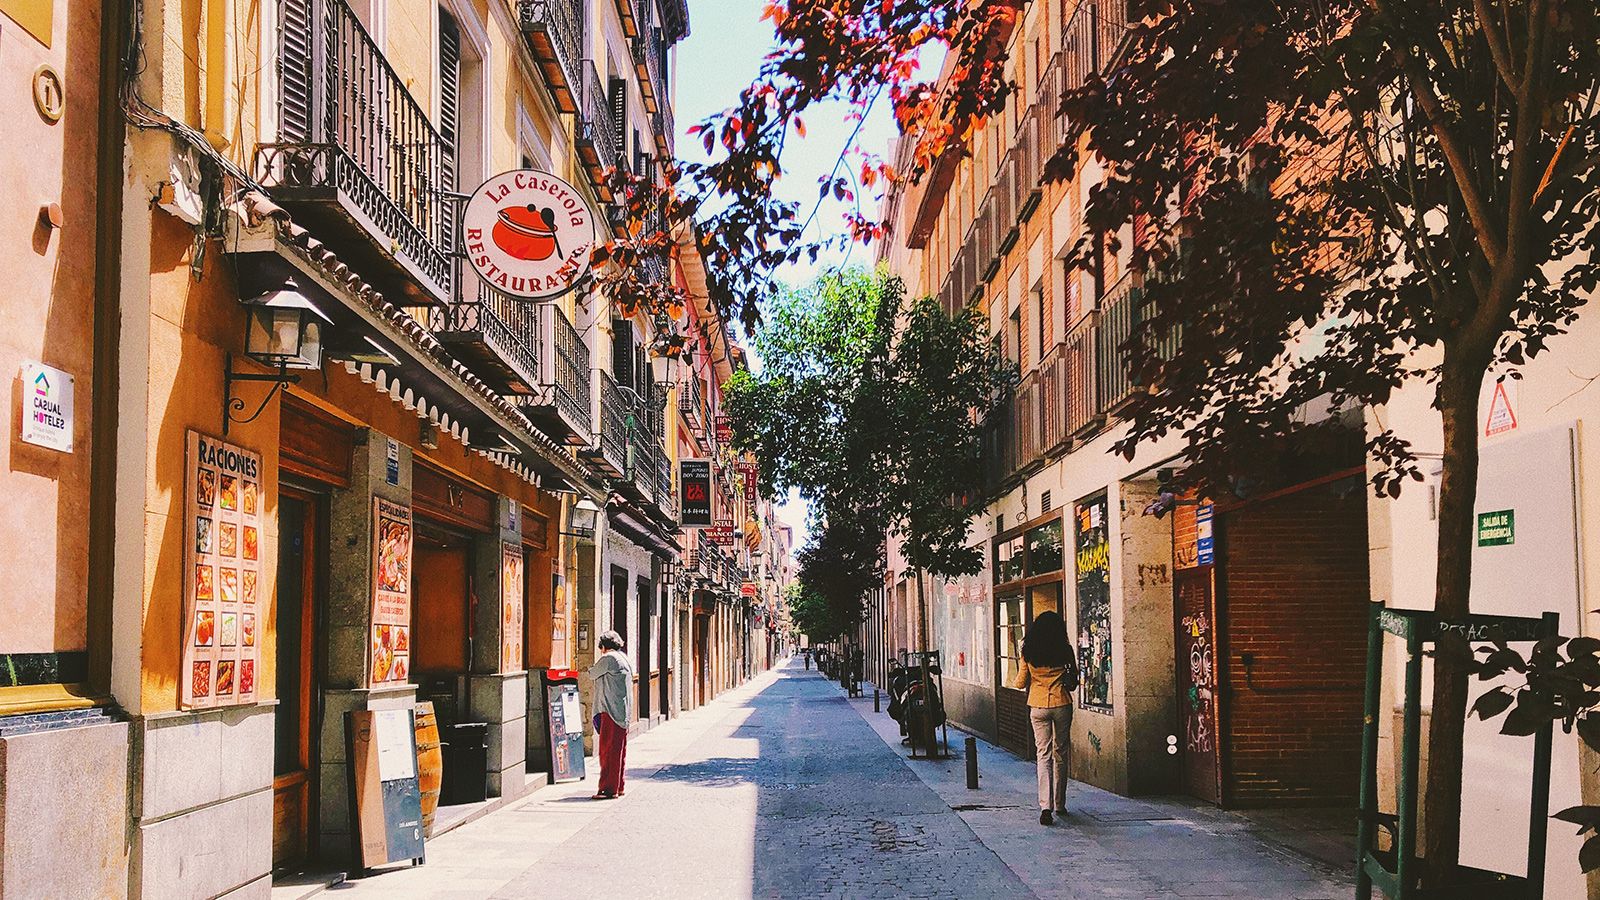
column 1082, row 383
column 597, row 130
column 649, row 64
column 554, row 31
column 1119, row 315
column 528, row 351
column 611, row 410
column 356, row 156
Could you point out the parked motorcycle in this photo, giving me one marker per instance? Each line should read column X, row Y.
column 918, row 707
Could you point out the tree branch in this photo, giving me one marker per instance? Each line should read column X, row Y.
column 1490, row 242
column 1499, row 50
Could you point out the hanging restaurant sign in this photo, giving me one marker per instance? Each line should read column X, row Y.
column 721, row 533
column 222, row 572
column 694, row 486
column 528, row 234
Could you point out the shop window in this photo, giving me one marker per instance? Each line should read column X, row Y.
column 1044, row 549
column 1008, row 562
column 1010, row 628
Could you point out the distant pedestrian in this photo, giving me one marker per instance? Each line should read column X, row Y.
column 613, row 699
column 1049, row 674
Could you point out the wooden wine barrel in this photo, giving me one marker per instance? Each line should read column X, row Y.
column 430, row 763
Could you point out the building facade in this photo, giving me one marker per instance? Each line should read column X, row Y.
column 1221, row 638
column 294, row 457
column 1199, row 623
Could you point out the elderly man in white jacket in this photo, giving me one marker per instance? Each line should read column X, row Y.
column 613, row 707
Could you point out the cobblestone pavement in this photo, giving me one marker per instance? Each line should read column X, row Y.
column 784, row 788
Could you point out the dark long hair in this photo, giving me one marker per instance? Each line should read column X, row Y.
column 1046, row 641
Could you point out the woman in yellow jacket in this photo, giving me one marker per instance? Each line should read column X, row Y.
column 1049, row 674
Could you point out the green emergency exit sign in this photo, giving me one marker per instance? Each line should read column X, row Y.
column 1498, row 528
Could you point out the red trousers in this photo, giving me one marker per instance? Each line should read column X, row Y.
column 613, row 754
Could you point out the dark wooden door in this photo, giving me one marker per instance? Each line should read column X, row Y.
column 645, row 599
column 1196, row 643
column 293, row 783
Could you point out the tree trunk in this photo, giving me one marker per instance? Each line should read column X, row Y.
column 1457, row 399
column 922, row 613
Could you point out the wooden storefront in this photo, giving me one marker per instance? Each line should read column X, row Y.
column 1028, row 580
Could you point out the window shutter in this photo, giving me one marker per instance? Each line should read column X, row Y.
column 619, row 115
column 294, row 72
column 449, row 95
column 622, row 352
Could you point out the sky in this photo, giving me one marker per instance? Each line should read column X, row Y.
column 722, row 54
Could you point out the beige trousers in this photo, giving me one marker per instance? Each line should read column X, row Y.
column 1052, row 737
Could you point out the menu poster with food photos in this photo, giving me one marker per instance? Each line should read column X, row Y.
column 390, row 660
column 222, row 603
column 511, row 588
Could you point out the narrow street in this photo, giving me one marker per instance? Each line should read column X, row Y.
column 785, row 788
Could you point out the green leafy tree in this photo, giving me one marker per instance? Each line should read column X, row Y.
column 869, row 405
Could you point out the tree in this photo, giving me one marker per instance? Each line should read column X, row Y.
column 1341, row 199
column 868, row 405
column 1334, row 200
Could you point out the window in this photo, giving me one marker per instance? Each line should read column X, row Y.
column 1010, row 629
column 1008, row 562
column 1014, row 338
column 1039, row 321
column 1044, row 548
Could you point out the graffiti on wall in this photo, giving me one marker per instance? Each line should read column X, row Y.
column 1092, row 569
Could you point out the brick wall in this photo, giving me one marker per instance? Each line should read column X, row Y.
column 1295, row 593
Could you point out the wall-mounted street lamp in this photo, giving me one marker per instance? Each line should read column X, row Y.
column 283, row 331
column 585, row 519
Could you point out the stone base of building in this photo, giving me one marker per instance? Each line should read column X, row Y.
column 64, row 794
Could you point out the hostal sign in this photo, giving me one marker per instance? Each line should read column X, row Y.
column 528, row 234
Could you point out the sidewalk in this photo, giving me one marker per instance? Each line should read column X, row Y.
column 1113, row 846
column 480, row 858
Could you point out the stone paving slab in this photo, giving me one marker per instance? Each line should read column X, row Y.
column 785, row 788
column 1112, row 846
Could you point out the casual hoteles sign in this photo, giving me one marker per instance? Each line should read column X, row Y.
column 223, row 608
column 528, row 234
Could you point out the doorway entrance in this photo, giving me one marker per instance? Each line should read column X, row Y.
column 645, row 600
column 1196, row 645
column 300, row 567
column 441, row 631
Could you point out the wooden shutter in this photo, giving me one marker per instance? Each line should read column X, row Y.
column 449, row 95
column 622, row 352
column 619, row 116
column 294, row 71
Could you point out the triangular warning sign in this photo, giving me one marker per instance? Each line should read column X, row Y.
column 1502, row 418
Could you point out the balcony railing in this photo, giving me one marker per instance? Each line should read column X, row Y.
column 528, row 351
column 1000, row 444
column 355, row 146
column 1119, row 311
column 597, row 130
column 1082, row 392
column 611, row 411
column 554, row 30
column 1093, row 39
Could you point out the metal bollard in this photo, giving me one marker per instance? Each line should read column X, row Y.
column 972, row 764
column 875, row 700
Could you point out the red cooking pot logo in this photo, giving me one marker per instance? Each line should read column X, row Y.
column 526, row 232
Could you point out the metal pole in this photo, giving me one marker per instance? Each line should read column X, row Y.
column 1369, row 754
column 1410, row 738
column 972, row 763
column 1539, row 807
column 875, row 707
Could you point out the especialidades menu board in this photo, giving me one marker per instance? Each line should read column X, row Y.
column 390, row 659
column 223, row 608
